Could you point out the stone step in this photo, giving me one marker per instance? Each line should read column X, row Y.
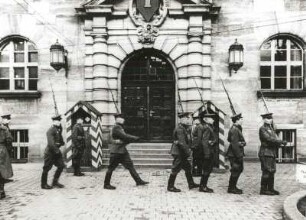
column 148, row 166
column 142, row 151
column 146, row 155
column 149, row 146
column 155, row 156
column 145, row 161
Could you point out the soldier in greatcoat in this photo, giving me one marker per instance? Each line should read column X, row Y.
column 119, row 153
column 235, row 153
column 6, row 170
column 78, row 146
column 207, row 141
column 53, row 155
column 181, row 153
column 267, row 154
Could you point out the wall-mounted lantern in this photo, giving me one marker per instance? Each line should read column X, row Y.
column 235, row 57
column 58, row 57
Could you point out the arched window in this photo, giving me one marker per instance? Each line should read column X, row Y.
column 18, row 65
column 281, row 64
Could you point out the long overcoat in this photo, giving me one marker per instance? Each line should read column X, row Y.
column 6, row 140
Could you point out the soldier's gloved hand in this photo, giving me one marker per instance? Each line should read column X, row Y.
column 211, row 143
column 176, row 142
column 118, row 141
column 284, row 143
column 242, row 143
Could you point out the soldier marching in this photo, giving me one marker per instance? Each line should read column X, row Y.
column 53, row 154
column 181, row 152
column 119, row 153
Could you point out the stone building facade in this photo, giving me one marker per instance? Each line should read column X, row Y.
column 152, row 58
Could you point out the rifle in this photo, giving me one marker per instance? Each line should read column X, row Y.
column 228, row 97
column 202, row 100
column 264, row 101
column 117, row 109
column 179, row 99
column 54, row 101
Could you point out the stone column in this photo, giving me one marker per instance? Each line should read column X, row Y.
column 194, row 77
column 100, row 86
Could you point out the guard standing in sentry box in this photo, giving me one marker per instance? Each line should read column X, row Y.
column 235, row 152
column 6, row 170
column 196, row 147
column 181, row 153
column 119, row 153
column 53, row 154
column 78, row 146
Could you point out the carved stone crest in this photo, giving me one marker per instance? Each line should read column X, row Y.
column 147, row 34
column 147, row 15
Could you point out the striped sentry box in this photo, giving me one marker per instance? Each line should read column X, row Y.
column 95, row 133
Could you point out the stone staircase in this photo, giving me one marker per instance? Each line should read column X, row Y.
column 146, row 155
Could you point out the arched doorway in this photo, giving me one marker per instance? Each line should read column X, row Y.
column 148, row 96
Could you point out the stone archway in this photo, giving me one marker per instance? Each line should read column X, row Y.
column 148, row 96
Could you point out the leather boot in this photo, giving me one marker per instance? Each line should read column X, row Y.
column 77, row 171
column 107, row 179
column 2, row 192
column 190, row 181
column 44, row 180
column 232, row 188
column 203, row 185
column 57, row 175
column 137, row 179
column 264, row 187
column 271, row 185
column 171, row 181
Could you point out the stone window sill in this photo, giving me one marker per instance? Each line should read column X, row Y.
column 282, row 93
column 20, row 94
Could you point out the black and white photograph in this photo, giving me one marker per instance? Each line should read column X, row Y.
column 152, row 109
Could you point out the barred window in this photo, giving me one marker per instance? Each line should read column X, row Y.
column 281, row 64
column 20, row 145
column 287, row 153
column 18, row 65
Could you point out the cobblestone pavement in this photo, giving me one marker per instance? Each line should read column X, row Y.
column 85, row 198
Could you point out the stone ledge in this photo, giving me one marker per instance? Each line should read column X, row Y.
column 290, row 206
column 282, row 93
column 21, row 94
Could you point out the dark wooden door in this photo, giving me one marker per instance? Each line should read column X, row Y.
column 148, row 97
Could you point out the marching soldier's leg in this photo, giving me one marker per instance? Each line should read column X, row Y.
column 113, row 163
column 2, row 192
column 48, row 163
column 187, row 168
column 128, row 164
column 59, row 163
column 207, row 168
column 176, row 167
